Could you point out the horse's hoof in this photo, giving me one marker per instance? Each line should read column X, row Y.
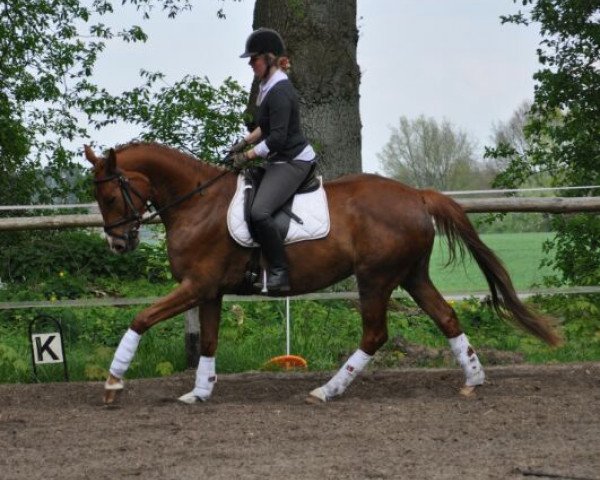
column 112, row 387
column 468, row 391
column 110, row 396
column 473, row 381
column 316, row 397
column 190, row 398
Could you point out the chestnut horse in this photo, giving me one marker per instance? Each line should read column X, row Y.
column 381, row 231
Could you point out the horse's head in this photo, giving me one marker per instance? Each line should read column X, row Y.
column 122, row 197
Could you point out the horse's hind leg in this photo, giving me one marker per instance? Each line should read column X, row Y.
column 373, row 312
column 431, row 301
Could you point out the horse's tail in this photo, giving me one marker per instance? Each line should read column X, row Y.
column 452, row 221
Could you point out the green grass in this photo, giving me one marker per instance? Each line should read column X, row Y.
column 521, row 254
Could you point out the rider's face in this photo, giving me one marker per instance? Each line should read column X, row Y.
column 258, row 64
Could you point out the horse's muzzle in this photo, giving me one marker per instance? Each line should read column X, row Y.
column 124, row 243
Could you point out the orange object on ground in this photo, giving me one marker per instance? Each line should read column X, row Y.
column 287, row 362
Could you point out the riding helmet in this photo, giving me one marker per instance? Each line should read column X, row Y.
column 264, row 40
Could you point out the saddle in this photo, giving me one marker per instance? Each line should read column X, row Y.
column 252, row 179
column 305, row 216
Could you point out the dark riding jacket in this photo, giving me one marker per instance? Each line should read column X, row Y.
column 278, row 117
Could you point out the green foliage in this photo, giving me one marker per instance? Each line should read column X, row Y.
column 48, row 51
column 576, row 250
column 579, row 317
column 54, row 258
column 11, row 360
column 157, row 267
column 190, row 115
column 563, row 126
column 164, row 369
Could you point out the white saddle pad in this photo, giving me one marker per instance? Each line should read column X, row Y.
column 311, row 207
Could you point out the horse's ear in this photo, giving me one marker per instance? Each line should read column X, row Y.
column 111, row 162
column 90, row 155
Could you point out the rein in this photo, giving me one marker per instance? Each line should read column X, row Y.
column 136, row 216
column 183, row 198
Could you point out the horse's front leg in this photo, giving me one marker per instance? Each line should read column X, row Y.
column 184, row 297
column 206, row 377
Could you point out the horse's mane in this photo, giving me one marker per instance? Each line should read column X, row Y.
column 178, row 155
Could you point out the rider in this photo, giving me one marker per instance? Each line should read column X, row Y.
column 279, row 139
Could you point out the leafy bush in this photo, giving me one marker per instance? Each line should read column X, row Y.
column 77, row 253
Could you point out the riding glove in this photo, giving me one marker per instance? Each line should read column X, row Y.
column 240, row 160
column 239, row 146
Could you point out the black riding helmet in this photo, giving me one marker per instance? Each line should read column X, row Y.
column 264, row 40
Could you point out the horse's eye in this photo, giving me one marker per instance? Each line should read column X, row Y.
column 110, row 200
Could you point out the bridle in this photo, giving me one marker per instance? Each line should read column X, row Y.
column 135, row 216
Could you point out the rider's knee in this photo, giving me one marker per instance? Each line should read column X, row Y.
column 258, row 214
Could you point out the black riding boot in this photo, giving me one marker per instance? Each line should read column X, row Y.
column 274, row 252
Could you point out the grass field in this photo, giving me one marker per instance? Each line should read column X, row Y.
column 521, row 253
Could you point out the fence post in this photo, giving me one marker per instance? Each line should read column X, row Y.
column 192, row 337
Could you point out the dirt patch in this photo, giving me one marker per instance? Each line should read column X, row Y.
column 526, row 422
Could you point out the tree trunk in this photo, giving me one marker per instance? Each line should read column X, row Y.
column 321, row 38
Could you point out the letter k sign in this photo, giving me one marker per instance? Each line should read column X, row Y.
column 47, row 348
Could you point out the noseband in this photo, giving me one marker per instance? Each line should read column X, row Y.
column 126, row 192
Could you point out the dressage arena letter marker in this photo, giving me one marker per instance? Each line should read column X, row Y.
column 47, row 348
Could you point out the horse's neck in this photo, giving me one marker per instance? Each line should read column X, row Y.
column 171, row 178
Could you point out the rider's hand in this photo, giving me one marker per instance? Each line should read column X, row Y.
column 240, row 160
column 239, row 146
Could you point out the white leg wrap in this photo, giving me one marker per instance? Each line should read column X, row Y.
column 205, row 378
column 124, row 354
column 468, row 360
column 205, row 382
column 344, row 377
